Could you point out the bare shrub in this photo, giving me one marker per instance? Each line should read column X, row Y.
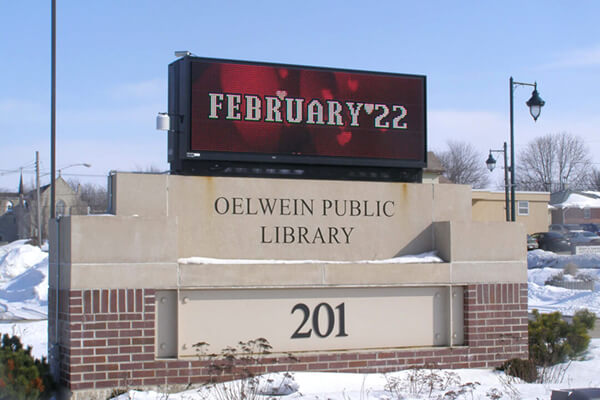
column 427, row 383
column 571, row 269
column 243, row 364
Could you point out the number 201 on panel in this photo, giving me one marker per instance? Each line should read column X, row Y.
column 312, row 321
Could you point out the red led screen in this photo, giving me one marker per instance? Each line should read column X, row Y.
column 291, row 111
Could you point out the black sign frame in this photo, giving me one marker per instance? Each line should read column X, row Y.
column 185, row 161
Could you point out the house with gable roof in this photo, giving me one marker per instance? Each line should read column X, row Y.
column 12, row 211
column 575, row 207
column 9, row 202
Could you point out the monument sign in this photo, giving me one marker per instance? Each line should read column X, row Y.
column 216, row 253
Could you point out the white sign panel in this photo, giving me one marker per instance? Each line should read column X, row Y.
column 294, row 320
column 587, row 249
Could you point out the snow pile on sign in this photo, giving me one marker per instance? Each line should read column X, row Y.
column 429, row 257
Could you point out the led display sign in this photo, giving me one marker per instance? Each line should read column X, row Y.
column 259, row 117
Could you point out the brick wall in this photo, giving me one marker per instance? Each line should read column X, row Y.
column 575, row 216
column 108, row 338
column 496, row 323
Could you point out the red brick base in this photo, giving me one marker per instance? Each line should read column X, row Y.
column 107, row 340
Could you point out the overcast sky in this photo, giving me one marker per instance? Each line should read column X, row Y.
column 112, row 59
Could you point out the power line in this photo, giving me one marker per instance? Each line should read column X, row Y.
column 25, row 171
column 27, row 165
column 87, row 175
column 75, row 174
column 24, row 168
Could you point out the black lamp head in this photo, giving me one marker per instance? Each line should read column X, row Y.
column 535, row 104
column 491, row 162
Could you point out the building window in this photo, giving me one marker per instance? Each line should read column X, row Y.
column 587, row 213
column 523, row 206
column 60, row 208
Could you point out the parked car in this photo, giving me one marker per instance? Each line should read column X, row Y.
column 564, row 228
column 595, row 228
column 532, row 244
column 583, row 237
column 552, row 241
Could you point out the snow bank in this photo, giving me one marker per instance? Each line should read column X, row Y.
column 345, row 386
column 17, row 257
column 542, row 259
column 23, row 282
column 32, row 333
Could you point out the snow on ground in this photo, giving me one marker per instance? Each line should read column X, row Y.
column 17, row 257
column 545, row 298
column 23, row 312
column 540, row 259
column 23, row 282
column 32, row 333
column 24, row 295
column 339, row 386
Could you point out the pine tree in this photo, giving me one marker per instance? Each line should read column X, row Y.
column 22, row 377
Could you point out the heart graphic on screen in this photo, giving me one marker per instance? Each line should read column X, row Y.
column 283, row 73
column 281, row 94
column 260, row 81
column 353, row 85
column 344, row 137
column 369, row 108
column 326, row 93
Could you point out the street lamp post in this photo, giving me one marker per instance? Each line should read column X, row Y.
column 535, row 104
column 73, row 165
column 491, row 164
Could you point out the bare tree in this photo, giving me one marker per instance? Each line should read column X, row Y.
column 94, row 195
column 594, row 180
column 148, row 169
column 464, row 165
column 554, row 162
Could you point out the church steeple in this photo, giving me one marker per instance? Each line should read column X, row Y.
column 21, row 191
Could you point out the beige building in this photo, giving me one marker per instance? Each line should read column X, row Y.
column 489, row 206
column 531, row 207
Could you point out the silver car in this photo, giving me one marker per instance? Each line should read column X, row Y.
column 583, row 237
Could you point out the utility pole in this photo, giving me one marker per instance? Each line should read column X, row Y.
column 53, row 117
column 37, row 196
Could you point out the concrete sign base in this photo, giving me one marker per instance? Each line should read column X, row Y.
column 315, row 267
